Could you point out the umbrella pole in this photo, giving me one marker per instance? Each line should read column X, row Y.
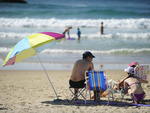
column 47, row 76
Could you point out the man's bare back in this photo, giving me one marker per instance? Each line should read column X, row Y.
column 79, row 69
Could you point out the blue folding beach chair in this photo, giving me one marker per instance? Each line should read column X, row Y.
column 96, row 82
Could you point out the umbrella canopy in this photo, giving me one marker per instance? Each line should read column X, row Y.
column 27, row 46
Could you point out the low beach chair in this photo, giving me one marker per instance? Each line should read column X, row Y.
column 96, row 82
column 79, row 94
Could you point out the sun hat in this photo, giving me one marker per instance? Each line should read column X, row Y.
column 129, row 70
column 88, row 53
column 133, row 64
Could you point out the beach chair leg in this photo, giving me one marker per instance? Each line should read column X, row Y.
column 80, row 94
column 85, row 97
column 108, row 101
column 108, row 97
column 74, row 95
column 96, row 95
column 90, row 94
column 112, row 96
column 122, row 96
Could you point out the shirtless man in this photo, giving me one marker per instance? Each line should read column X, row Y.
column 77, row 79
column 132, row 86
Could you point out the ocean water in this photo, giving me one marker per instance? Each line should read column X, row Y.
column 126, row 31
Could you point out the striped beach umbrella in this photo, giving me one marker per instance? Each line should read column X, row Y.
column 28, row 47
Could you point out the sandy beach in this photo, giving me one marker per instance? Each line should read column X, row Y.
column 25, row 88
column 30, row 92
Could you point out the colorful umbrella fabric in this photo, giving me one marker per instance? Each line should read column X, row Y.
column 27, row 46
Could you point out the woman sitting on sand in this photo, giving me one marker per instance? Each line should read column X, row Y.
column 132, row 86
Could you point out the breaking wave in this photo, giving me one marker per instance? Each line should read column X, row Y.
column 112, row 51
column 18, row 36
column 53, row 22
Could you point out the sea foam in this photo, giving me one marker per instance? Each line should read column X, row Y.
column 143, row 23
column 74, row 51
column 14, row 36
column 112, row 51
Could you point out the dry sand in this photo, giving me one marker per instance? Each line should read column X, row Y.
column 30, row 92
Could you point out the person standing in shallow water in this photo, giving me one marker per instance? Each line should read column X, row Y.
column 78, row 33
column 102, row 28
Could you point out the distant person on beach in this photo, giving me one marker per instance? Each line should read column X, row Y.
column 67, row 30
column 78, row 33
column 102, row 28
column 77, row 79
column 132, row 86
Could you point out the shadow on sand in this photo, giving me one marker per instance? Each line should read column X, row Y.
column 146, row 101
column 2, row 108
column 88, row 103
